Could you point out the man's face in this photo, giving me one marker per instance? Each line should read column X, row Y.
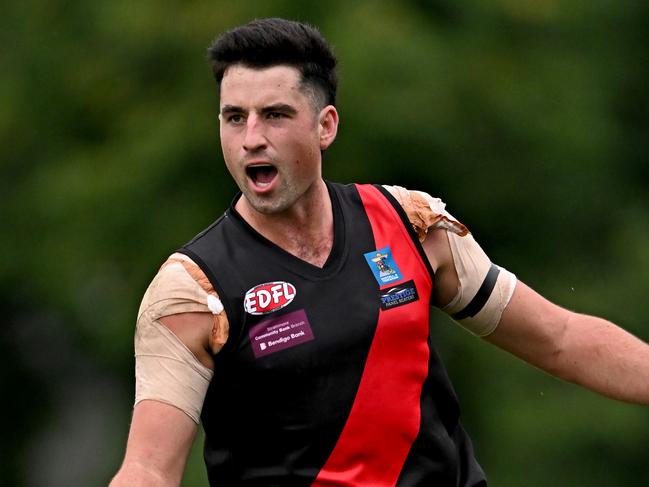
column 270, row 136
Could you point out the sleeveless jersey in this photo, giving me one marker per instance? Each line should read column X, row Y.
column 329, row 377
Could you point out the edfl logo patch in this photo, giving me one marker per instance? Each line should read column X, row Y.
column 268, row 297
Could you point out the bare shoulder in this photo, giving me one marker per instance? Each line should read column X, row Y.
column 194, row 329
column 183, row 299
column 438, row 251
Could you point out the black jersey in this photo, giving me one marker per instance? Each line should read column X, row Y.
column 329, row 376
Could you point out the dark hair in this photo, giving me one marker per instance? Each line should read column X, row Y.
column 264, row 43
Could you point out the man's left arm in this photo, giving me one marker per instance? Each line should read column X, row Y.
column 586, row 350
column 582, row 349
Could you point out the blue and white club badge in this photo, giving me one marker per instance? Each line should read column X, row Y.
column 383, row 266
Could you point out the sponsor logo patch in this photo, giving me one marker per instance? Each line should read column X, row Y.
column 383, row 266
column 398, row 295
column 268, row 297
column 280, row 333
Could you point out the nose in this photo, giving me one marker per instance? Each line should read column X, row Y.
column 255, row 137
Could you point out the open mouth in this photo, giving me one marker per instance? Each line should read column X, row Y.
column 261, row 174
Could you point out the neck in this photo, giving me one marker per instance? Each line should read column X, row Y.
column 305, row 230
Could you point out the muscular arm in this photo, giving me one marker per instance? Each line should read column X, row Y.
column 586, row 350
column 158, row 444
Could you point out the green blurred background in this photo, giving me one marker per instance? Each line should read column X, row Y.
column 530, row 118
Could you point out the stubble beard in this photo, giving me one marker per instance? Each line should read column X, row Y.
column 278, row 201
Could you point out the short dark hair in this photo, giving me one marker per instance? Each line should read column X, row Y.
column 264, row 43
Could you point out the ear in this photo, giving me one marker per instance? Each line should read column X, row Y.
column 327, row 126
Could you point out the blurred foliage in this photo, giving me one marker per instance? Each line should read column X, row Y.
column 529, row 117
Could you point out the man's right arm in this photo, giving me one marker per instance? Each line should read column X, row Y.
column 179, row 328
column 161, row 435
column 158, row 445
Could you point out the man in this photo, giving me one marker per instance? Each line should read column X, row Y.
column 296, row 326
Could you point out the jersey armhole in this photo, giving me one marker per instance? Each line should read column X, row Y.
column 233, row 335
column 411, row 231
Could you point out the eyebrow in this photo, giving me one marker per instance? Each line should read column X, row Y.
column 231, row 109
column 277, row 107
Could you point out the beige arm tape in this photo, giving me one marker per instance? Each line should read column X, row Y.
column 165, row 369
column 425, row 212
column 471, row 262
column 472, row 266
